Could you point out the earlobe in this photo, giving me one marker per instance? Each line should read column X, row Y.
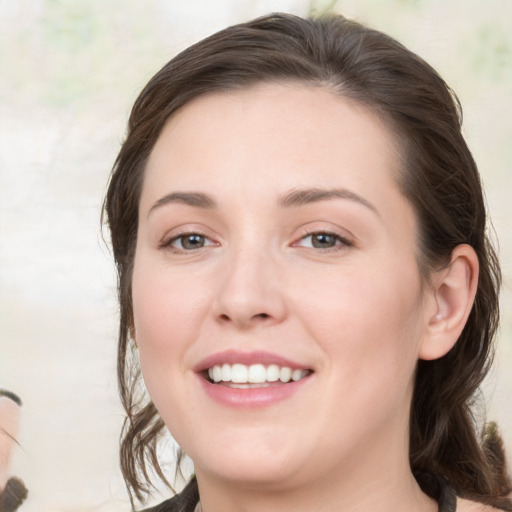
column 453, row 293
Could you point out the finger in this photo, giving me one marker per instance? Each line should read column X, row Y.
column 9, row 425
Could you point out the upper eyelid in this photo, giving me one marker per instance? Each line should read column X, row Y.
column 168, row 240
column 303, row 232
column 187, row 229
column 308, row 230
column 343, row 239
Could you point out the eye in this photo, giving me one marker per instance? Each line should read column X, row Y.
column 188, row 242
column 323, row 240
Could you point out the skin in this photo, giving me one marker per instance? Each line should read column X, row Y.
column 9, row 425
column 357, row 314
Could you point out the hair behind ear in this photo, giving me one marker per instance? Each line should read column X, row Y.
column 454, row 359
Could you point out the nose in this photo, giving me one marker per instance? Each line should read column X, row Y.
column 250, row 292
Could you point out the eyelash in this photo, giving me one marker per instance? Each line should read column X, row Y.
column 168, row 243
column 340, row 241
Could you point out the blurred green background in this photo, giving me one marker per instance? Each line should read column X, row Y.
column 69, row 72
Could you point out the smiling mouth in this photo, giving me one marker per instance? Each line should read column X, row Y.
column 253, row 376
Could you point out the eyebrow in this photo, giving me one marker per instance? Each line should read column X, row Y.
column 197, row 199
column 301, row 197
column 295, row 198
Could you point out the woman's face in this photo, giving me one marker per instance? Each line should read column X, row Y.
column 274, row 244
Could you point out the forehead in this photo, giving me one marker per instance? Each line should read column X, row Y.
column 301, row 127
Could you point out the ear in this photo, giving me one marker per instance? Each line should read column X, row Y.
column 451, row 298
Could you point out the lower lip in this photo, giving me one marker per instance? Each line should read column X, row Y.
column 252, row 397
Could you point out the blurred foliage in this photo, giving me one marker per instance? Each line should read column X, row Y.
column 72, row 50
column 70, row 46
column 321, row 7
column 490, row 51
column 413, row 3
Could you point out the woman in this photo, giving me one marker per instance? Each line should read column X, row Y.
column 299, row 232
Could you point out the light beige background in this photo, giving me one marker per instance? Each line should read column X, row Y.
column 69, row 71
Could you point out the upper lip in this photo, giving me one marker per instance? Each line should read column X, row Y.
column 247, row 358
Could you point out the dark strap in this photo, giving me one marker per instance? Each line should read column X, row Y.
column 439, row 489
column 447, row 499
column 185, row 501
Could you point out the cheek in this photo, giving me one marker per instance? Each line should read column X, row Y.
column 165, row 303
column 167, row 311
column 368, row 321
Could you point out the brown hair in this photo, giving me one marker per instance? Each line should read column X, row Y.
column 439, row 178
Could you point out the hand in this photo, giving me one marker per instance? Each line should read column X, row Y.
column 12, row 490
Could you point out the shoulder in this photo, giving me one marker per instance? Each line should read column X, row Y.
column 464, row 505
column 185, row 501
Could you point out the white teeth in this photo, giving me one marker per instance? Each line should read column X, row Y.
column 254, row 374
column 273, row 373
column 217, row 374
column 285, row 374
column 257, row 374
column 297, row 375
column 226, row 372
column 239, row 373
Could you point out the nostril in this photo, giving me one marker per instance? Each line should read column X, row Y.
column 225, row 317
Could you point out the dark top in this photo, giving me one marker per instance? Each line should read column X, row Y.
column 437, row 488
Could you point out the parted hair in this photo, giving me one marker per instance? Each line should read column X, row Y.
column 438, row 176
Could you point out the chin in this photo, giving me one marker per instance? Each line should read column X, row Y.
column 258, row 472
column 265, row 462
